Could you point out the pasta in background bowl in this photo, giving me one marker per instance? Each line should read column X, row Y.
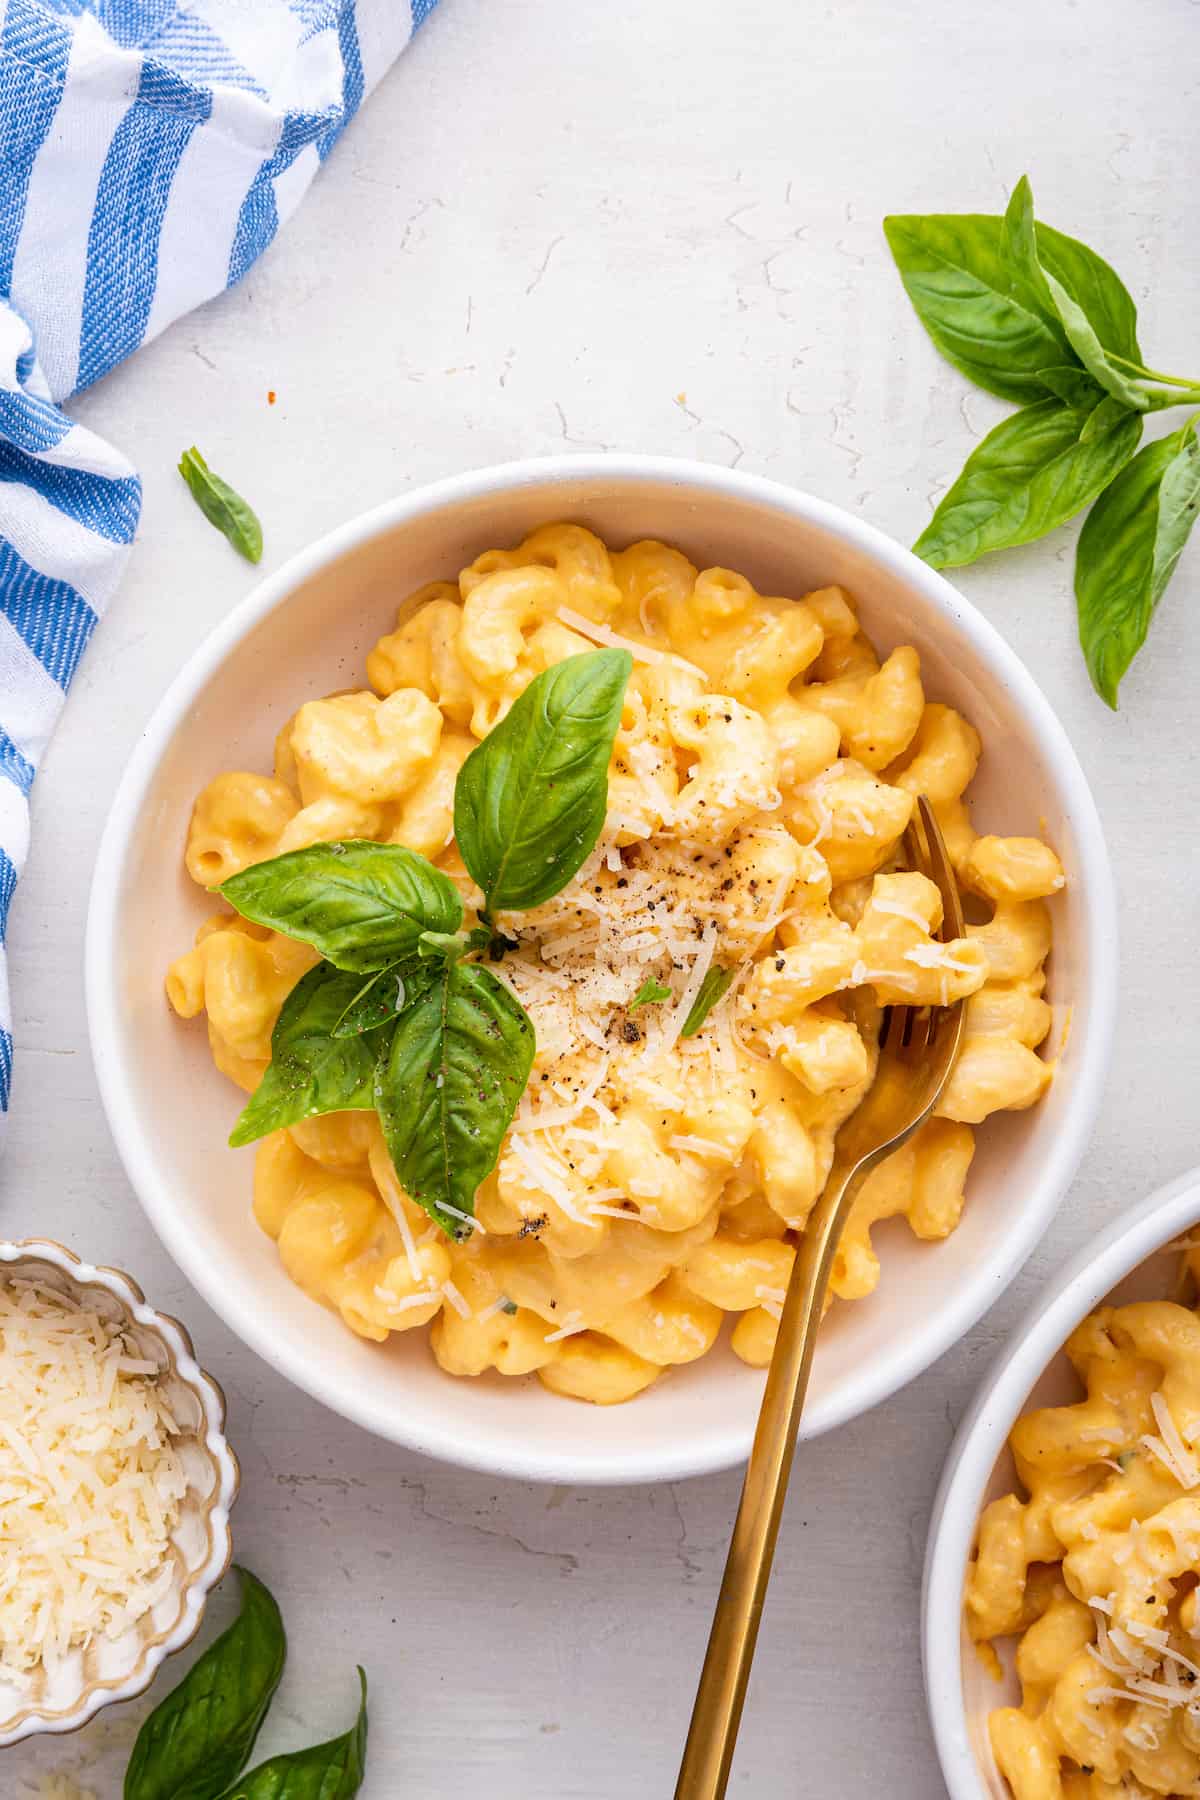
column 1099, row 1387
column 323, row 614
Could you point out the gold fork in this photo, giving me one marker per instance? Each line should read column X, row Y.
column 918, row 1046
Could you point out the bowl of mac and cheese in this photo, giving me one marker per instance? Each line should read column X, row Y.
column 1062, row 1602
column 702, row 992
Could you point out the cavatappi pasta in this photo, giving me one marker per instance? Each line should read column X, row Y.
column 761, row 782
column 1096, row 1570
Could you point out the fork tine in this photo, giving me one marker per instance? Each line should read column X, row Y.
column 939, row 869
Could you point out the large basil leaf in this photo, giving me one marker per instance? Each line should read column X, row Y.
column 362, row 905
column 531, row 798
column 979, row 312
column 197, row 1739
column 448, row 1088
column 1033, row 472
column 1128, row 548
column 330, row 1771
column 311, row 1071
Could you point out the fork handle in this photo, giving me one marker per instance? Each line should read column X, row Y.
column 717, row 1712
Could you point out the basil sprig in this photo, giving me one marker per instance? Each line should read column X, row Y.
column 396, row 1017
column 651, row 993
column 222, row 505
column 196, row 1741
column 1039, row 318
column 530, row 800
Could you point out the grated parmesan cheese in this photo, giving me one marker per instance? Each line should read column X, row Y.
column 91, row 1479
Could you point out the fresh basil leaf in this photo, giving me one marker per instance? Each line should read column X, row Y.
column 649, row 994
column 714, row 985
column 1073, row 385
column 979, row 312
column 330, row 1771
column 311, row 1069
column 443, row 943
column 449, row 1086
column 1078, row 288
column 196, row 1740
column 362, row 905
column 1096, row 286
column 1027, row 476
column 1128, row 548
column 530, row 800
column 378, row 999
column 222, row 505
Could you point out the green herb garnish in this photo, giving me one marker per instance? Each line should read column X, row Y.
column 1038, row 318
column 196, row 1741
column 398, row 1016
column 649, row 994
column 222, row 505
column 714, row 985
column 530, row 800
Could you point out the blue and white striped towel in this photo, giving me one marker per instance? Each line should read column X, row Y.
column 149, row 151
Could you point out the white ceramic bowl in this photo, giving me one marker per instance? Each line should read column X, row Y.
column 1130, row 1261
column 306, row 630
column 111, row 1669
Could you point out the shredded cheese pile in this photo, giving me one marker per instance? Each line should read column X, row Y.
column 89, row 1479
column 57, row 1787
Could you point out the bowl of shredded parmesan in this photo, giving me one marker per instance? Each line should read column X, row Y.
column 116, row 1484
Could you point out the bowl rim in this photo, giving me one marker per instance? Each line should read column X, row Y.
column 881, row 1377
column 177, row 1340
column 1064, row 1300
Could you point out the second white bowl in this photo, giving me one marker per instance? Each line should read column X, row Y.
column 305, row 631
column 1130, row 1261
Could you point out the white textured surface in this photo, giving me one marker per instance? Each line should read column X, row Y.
column 580, row 213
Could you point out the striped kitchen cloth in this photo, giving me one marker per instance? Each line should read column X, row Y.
column 149, row 151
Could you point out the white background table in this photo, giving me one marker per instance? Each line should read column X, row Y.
column 651, row 227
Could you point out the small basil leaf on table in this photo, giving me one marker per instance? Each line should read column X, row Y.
column 714, row 985
column 196, row 1740
column 222, row 505
column 449, row 1086
column 1029, row 475
column 979, row 312
column 1128, row 548
column 311, row 1070
column 377, row 1000
column 649, row 994
column 329, row 1771
column 362, row 905
column 530, row 800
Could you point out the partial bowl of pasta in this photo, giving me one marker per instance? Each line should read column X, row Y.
column 528, row 853
column 1061, row 1611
